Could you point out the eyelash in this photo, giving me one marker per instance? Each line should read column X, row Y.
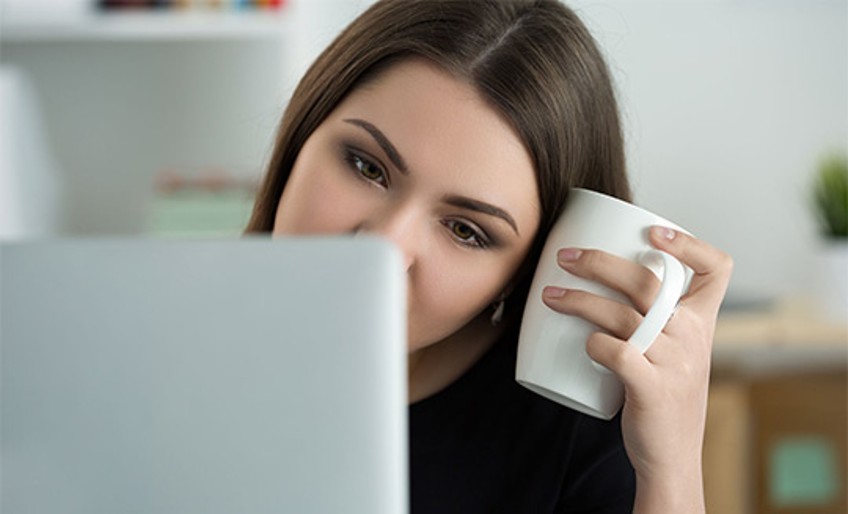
column 479, row 238
column 358, row 162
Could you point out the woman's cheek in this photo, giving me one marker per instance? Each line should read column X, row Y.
column 458, row 289
column 319, row 201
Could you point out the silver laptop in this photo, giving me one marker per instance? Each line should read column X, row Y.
column 249, row 376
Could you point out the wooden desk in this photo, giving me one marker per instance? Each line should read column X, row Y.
column 779, row 377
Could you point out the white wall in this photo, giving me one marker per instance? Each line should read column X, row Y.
column 728, row 106
column 316, row 24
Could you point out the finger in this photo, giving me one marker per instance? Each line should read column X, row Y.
column 623, row 359
column 675, row 343
column 613, row 317
column 712, row 267
column 633, row 280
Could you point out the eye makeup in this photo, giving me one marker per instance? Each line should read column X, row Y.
column 364, row 166
column 468, row 234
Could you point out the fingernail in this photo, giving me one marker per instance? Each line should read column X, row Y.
column 664, row 233
column 553, row 292
column 569, row 254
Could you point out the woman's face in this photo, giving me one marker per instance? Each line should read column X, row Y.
column 419, row 158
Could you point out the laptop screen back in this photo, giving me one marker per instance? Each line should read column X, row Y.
column 206, row 376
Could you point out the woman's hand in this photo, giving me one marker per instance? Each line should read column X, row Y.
column 666, row 387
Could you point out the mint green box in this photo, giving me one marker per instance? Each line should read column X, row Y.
column 803, row 472
column 190, row 213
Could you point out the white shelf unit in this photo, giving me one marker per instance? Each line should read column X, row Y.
column 126, row 95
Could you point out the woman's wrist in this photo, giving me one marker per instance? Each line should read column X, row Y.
column 681, row 491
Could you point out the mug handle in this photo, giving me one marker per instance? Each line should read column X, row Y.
column 673, row 284
column 672, row 288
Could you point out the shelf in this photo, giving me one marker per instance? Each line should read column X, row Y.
column 148, row 26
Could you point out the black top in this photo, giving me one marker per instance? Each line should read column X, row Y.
column 485, row 444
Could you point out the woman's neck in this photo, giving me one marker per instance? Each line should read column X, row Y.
column 435, row 367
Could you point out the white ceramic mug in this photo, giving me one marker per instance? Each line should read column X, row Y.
column 552, row 358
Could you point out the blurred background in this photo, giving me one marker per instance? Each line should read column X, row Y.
column 157, row 118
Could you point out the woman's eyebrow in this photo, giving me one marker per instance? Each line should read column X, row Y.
column 384, row 143
column 464, row 202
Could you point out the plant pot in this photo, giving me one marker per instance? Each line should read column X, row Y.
column 832, row 283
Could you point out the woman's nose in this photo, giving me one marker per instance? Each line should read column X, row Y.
column 398, row 226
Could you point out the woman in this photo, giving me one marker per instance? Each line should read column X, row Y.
column 455, row 129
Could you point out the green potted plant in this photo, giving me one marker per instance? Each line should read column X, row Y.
column 830, row 195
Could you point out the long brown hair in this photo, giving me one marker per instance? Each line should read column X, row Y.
column 533, row 61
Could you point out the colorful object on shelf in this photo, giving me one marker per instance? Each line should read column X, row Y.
column 117, row 5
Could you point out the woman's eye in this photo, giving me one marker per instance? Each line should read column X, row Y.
column 368, row 169
column 466, row 234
